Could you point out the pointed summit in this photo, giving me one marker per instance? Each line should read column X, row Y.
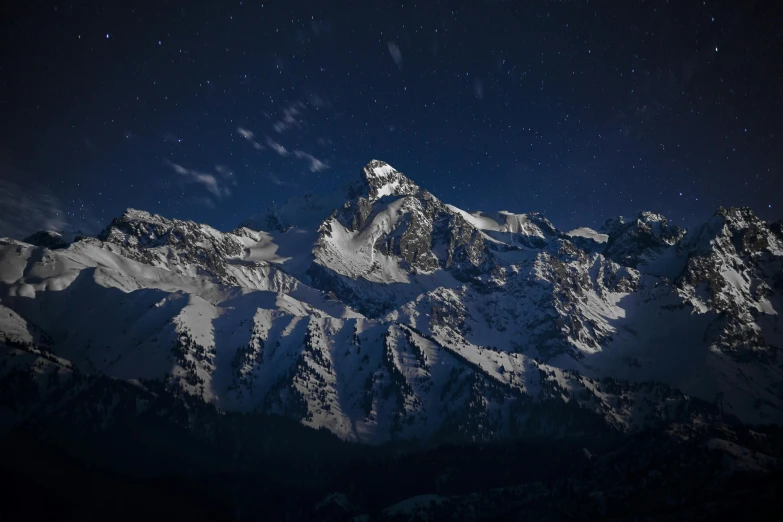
column 378, row 179
column 734, row 228
column 384, row 180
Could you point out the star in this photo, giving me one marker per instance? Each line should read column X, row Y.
column 583, row 108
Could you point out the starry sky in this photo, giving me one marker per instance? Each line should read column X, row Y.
column 211, row 111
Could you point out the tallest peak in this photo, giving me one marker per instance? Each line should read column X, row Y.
column 378, row 169
column 383, row 180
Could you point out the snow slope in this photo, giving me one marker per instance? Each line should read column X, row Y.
column 588, row 233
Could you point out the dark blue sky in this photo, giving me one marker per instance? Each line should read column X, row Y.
column 583, row 111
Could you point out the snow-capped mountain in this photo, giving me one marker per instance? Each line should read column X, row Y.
column 379, row 312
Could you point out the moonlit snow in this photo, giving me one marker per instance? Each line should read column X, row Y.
column 379, row 312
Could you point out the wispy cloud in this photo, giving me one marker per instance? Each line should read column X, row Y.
column 291, row 118
column 320, row 27
column 226, row 173
column 478, row 88
column 29, row 206
column 315, row 164
column 205, row 202
column 250, row 136
column 277, row 147
column 395, row 53
column 279, row 182
column 316, row 100
column 220, row 188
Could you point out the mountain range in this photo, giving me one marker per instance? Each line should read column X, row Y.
column 379, row 313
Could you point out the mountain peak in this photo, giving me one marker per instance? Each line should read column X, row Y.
column 132, row 214
column 384, row 180
column 642, row 218
column 377, row 168
column 741, row 227
column 141, row 228
column 629, row 240
column 740, row 217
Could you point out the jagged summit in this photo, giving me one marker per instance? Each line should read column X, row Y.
column 141, row 215
column 734, row 229
column 376, row 169
column 381, row 179
column 737, row 213
column 643, row 219
column 142, row 222
column 632, row 241
column 142, row 227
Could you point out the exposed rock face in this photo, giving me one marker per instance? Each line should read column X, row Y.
column 735, row 260
column 412, row 239
column 145, row 236
column 378, row 311
column 645, row 234
column 381, row 179
column 378, row 180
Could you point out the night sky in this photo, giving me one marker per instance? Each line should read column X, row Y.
column 213, row 110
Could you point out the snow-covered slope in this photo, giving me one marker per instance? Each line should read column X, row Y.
column 379, row 312
column 588, row 233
